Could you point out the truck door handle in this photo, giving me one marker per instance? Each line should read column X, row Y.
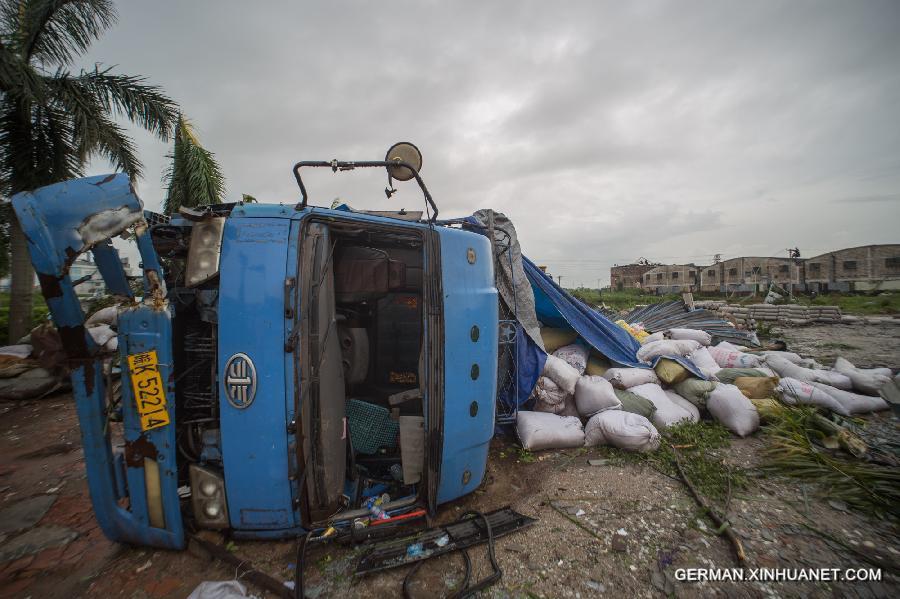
column 289, row 283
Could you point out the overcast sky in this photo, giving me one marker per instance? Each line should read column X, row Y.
column 607, row 131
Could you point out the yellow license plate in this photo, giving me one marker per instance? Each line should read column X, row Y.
column 149, row 392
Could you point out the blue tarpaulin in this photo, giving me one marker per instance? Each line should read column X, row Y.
column 556, row 308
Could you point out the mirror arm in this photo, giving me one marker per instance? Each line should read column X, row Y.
column 336, row 165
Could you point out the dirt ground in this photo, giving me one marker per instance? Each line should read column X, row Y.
column 619, row 528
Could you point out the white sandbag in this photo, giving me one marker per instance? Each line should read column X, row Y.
column 112, row 345
column 703, row 360
column 108, row 315
column 868, row 381
column 624, row 430
column 569, row 408
column 684, row 404
column 842, row 365
column 701, row 337
column 657, row 336
column 23, row 350
column 729, row 346
column 667, row 347
column 575, row 355
column 539, row 430
column 796, row 392
column 786, row 368
column 787, row 355
column 548, row 396
column 727, row 358
column 101, row 334
column 625, row 378
column 854, row 403
column 811, row 364
column 595, row 394
column 667, row 413
column 561, row 373
column 733, row 410
column 833, row 378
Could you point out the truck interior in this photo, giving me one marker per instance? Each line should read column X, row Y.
column 362, row 379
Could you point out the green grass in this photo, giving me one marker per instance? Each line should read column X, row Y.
column 858, row 303
column 39, row 314
column 620, row 300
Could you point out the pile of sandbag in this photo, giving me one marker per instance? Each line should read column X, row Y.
column 22, row 376
column 577, row 403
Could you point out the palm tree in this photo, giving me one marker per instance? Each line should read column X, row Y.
column 52, row 121
column 193, row 178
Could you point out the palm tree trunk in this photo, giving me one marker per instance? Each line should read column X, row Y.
column 21, row 284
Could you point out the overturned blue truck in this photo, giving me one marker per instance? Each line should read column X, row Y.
column 282, row 365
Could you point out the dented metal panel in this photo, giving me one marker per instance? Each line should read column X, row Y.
column 60, row 222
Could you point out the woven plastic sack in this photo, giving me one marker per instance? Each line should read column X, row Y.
column 556, row 338
column 595, row 394
column 561, row 373
column 634, row 403
column 597, row 365
column 701, row 337
column 625, row 378
column 670, row 371
column 667, row 413
column 548, row 396
column 575, row 355
column 796, row 392
column 726, row 358
column 667, row 347
column 868, row 381
column 854, row 403
column 657, row 336
column 756, row 387
column 684, row 404
column 728, row 375
column 631, row 432
column 734, row 411
column 703, row 360
column 696, row 391
column 786, row 368
column 538, row 430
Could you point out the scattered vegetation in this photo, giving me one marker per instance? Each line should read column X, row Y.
column 39, row 314
column 801, row 447
column 883, row 303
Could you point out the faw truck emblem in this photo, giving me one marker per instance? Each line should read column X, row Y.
column 240, row 380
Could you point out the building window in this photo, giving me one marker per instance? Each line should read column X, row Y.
column 674, row 275
column 732, row 272
column 659, row 276
column 892, row 262
column 693, row 274
column 711, row 274
column 815, row 267
column 849, row 264
column 746, row 273
column 757, row 270
column 783, row 268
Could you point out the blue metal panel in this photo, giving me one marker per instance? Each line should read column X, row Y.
column 470, row 299
column 61, row 221
column 111, row 269
column 146, row 328
column 251, row 321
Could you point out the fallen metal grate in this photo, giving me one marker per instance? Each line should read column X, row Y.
column 440, row 540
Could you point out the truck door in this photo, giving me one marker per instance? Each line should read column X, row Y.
column 470, row 360
column 322, row 391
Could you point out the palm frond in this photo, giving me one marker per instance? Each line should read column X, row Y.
column 18, row 78
column 93, row 131
column 131, row 97
column 193, row 177
column 56, row 31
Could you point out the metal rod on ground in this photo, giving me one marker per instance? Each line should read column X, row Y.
column 723, row 524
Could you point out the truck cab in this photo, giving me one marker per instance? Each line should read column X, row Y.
column 285, row 367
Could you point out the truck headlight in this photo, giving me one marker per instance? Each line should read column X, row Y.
column 208, row 497
column 206, row 246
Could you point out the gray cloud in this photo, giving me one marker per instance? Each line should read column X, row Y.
column 606, row 130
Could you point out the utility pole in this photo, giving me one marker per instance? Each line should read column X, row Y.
column 560, row 280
